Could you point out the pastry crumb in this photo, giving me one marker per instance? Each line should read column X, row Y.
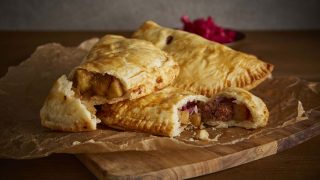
column 75, row 143
column 203, row 134
column 91, row 141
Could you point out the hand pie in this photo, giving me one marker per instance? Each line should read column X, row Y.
column 206, row 67
column 117, row 68
column 63, row 111
column 169, row 111
column 162, row 113
column 235, row 107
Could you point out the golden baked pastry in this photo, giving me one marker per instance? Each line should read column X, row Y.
column 63, row 111
column 159, row 113
column 235, row 107
column 206, row 67
column 169, row 111
column 117, row 68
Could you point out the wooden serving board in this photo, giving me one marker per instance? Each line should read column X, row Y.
column 181, row 164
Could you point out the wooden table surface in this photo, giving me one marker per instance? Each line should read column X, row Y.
column 292, row 52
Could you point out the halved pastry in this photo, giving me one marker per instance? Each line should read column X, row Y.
column 235, row 107
column 162, row 113
column 169, row 111
column 64, row 111
column 117, row 68
column 206, row 67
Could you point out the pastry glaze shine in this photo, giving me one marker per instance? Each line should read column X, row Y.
column 206, row 67
column 156, row 113
column 141, row 67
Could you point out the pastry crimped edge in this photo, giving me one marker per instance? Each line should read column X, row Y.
column 255, row 105
column 159, row 119
column 241, row 82
column 249, row 78
column 63, row 111
column 145, row 82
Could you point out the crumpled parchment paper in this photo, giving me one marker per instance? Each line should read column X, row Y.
column 24, row 88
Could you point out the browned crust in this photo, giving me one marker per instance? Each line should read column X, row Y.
column 156, row 113
column 253, row 80
column 256, row 78
column 251, row 72
column 140, row 126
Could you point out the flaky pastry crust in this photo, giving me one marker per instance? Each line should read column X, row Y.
column 141, row 67
column 206, row 67
column 63, row 111
column 156, row 113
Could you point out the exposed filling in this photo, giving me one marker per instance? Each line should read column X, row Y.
column 225, row 109
column 90, row 84
column 220, row 109
column 189, row 113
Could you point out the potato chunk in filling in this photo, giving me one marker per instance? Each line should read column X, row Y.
column 115, row 89
column 90, row 84
column 189, row 114
column 184, row 117
column 195, row 119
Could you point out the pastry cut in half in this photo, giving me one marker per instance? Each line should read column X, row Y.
column 160, row 113
column 235, row 107
column 64, row 111
column 115, row 69
column 118, row 68
column 169, row 111
column 206, row 67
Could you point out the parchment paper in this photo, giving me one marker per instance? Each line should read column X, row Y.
column 24, row 88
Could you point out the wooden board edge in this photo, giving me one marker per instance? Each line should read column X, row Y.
column 181, row 172
column 299, row 137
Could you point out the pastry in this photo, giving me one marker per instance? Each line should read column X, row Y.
column 206, row 67
column 169, row 111
column 235, row 107
column 164, row 112
column 117, row 68
column 64, row 111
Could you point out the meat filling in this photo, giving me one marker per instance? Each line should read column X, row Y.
column 90, row 84
column 224, row 109
column 220, row 109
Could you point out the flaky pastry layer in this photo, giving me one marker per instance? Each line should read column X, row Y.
column 206, row 67
column 141, row 67
column 156, row 113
